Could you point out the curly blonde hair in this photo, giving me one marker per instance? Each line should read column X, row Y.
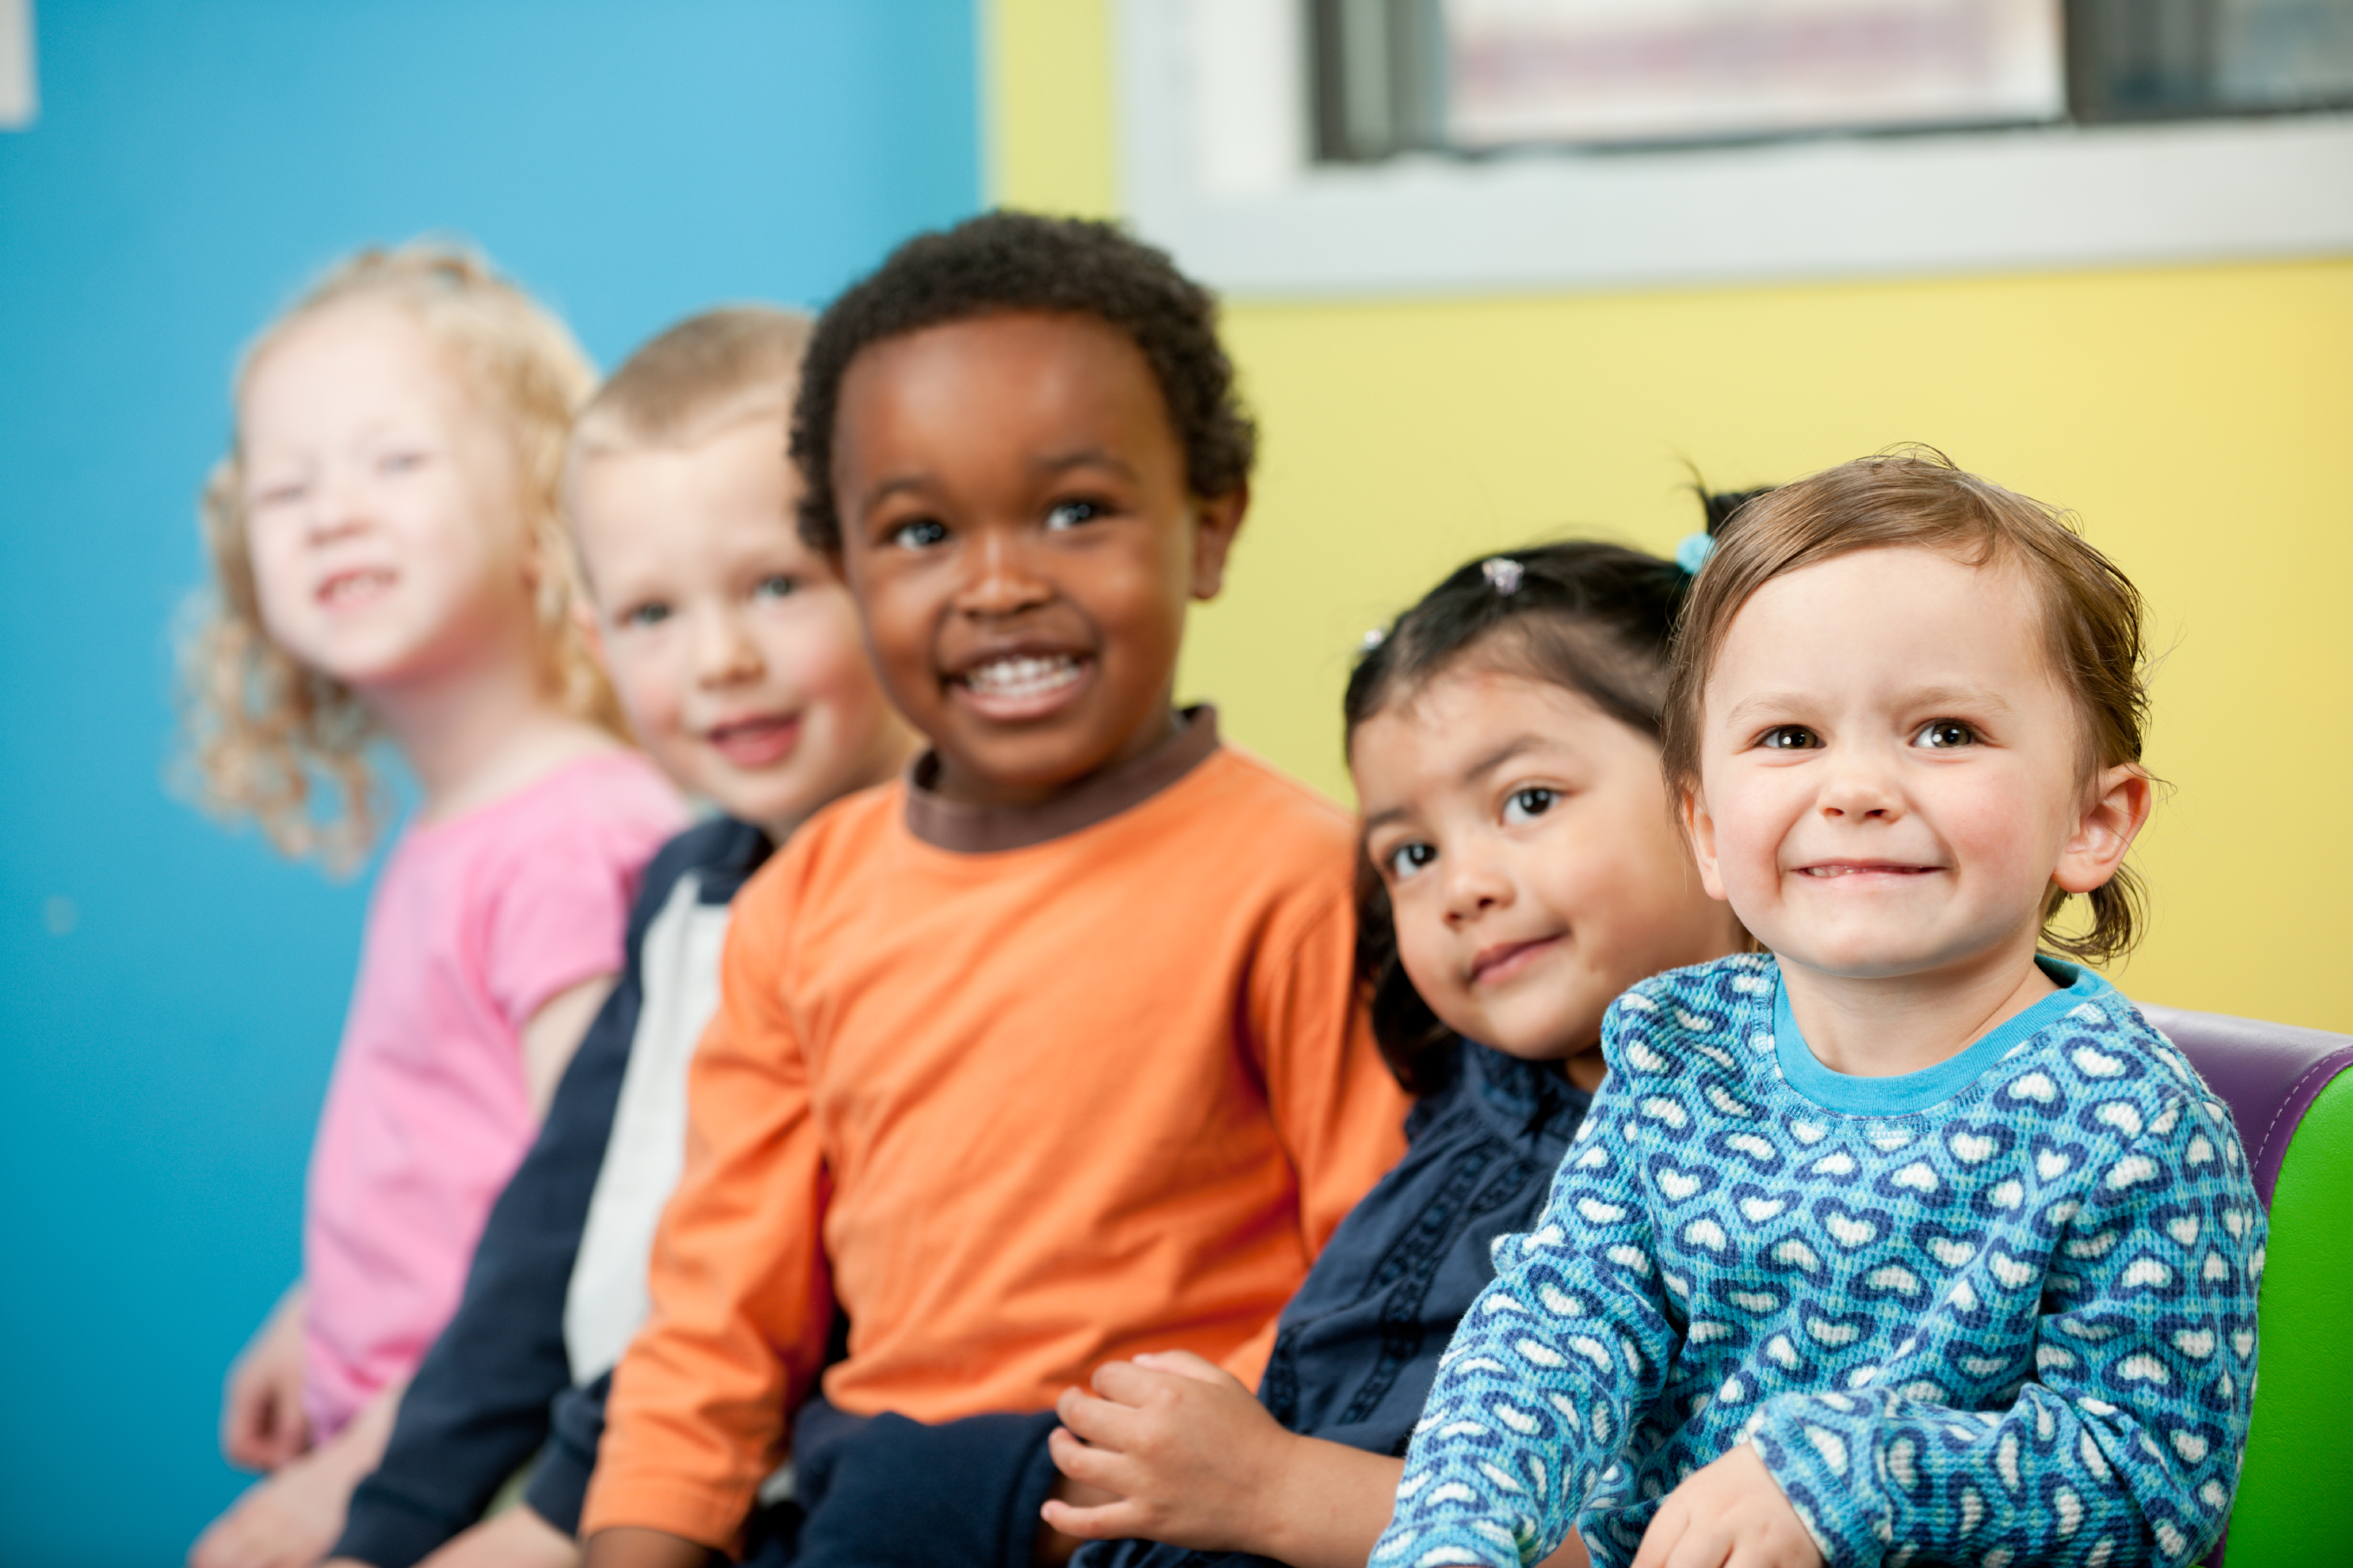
column 268, row 737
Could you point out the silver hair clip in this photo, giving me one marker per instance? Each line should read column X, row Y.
column 1372, row 640
column 1502, row 574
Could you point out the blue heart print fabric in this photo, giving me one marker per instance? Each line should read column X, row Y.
column 1999, row 1313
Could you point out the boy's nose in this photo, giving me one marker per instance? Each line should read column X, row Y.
column 1002, row 581
column 725, row 652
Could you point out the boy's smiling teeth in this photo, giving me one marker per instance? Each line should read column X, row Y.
column 1022, row 676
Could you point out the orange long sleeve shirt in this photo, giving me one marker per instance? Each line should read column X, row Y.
column 1024, row 1093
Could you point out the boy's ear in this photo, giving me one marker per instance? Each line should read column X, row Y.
column 1699, row 831
column 1215, row 521
column 2121, row 798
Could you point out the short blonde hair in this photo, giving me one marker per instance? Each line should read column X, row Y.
column 1915, row 497
column 686, row 384
column 264, row 736
column 689, row 382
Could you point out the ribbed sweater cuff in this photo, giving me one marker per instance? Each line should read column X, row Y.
column 1821, row 1466
column 559, row 1486
column 386, row 1532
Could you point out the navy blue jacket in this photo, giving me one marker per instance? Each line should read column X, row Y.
column 496, row 1382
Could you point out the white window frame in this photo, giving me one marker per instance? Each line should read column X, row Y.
column 1215, row 165
column 19, row 87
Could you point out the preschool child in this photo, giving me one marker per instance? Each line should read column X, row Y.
column 387, row 564
column 1900, row 1239
column 736, row 654
column 1046, row 1054
column 1520, row 871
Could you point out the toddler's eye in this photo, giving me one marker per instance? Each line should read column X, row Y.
column 399, row 462
column 1944, row 734
column 920, row 534
column 780, row 587
column 1789, row 738
column 285, row 494
column 1527, row 804
column 653, row 612
column 1407, row 859
column 1068, row 514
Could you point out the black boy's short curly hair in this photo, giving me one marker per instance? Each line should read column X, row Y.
column 1009, row 261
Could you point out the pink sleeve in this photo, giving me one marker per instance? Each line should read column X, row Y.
column 561, row 915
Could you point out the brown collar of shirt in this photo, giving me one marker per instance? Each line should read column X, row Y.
column 965, row 829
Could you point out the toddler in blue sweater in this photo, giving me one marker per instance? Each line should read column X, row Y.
column 1903, row 1239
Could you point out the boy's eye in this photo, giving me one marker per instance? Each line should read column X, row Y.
column 652, row 613
column 399, row 462
column 781, row 585
column 1789, row 738
column 1071, row 513
column 1407, row 859
column 285, row 494
column 1527, row 804
column 920, row 534
column 1945, row 734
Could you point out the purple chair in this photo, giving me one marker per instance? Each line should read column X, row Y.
column 2290, row 1094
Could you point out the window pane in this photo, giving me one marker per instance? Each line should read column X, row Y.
column 2139, row 59
column 1654, row 70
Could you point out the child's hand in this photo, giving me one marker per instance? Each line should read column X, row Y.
column 287, row 1521
column 290, row 1518
column 515, row 1538
column 1731, row 1514
column 262, row 1423
column 1190, row 1457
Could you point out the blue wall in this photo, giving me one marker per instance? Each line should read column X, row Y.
column 161, row 1061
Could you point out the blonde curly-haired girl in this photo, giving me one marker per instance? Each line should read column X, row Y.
column 388, row 567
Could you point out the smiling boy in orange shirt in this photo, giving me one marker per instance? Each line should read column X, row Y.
column 1046, row 1054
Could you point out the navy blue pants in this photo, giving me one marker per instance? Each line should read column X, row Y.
column 884, row 1492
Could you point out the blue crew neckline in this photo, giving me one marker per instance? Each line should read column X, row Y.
column 1905, row 1093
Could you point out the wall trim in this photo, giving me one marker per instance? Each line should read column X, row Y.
column 1214, row 166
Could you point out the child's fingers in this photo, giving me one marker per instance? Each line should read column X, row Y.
column 1667, row 1528
column 1104, row 1521
column 1706, row 1544
column 1126, row 1382
column 1106, row 1468
column 1185, row 1364
column 1102, row 1422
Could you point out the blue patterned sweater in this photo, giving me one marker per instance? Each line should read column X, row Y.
column 1998, row 1311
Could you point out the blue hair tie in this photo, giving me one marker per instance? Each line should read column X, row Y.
column 1693, row 552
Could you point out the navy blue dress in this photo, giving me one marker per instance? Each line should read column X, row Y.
column 1358, row 1346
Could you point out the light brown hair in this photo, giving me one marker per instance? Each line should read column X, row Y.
column 1915, row 499
column 266, row 737
column 694, row 378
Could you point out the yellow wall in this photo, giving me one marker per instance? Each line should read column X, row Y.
column 2200, row 419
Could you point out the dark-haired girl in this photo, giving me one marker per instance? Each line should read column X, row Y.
column 1520, row 869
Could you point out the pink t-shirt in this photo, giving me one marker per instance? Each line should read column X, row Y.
column 475, row 924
